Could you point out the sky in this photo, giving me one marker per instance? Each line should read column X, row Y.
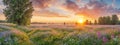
column 70, row 10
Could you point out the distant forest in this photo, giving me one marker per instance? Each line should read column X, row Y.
column 105, row 20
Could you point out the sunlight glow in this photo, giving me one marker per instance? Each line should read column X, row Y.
column 81, row 21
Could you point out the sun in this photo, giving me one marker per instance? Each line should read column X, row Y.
column 80, row 21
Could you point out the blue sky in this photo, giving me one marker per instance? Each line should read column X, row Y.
column 117, row 2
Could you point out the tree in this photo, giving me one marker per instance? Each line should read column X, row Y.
column 100, row 20
column 86, row 22
column 108, row 20
column 95, row 22
column 104, row 20
column 119, row 23
column 114, row 20
column 18, row 11
column 90, row 23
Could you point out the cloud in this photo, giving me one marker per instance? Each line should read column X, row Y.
column 93, row 8
column 71, row 5
column 102, row 8
column 50, row 8
column 113, row 3
column 42, row 3
column 61, row 8
column 47, row 13
column 1, row 7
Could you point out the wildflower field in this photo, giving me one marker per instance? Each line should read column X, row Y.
column 11, row 34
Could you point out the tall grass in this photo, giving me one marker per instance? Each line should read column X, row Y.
column 56, row 36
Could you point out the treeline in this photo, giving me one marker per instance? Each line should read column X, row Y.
column 105, row 20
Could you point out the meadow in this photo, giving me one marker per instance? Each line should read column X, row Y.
column 58, row 34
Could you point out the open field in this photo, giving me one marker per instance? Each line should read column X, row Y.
column 71, row 26
column 59, row 34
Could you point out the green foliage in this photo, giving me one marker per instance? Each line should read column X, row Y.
column 107, row 20
column 100, row 20
column 18, row 11
column 114, row 19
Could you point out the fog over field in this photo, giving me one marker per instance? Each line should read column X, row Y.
column 71, row 25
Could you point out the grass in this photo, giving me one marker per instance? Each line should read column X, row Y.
column 19, row 35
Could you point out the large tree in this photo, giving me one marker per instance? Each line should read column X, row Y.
column 18, row 11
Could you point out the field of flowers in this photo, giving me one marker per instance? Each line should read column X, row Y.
column 11, row 34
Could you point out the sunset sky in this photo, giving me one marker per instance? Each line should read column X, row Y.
column 70, row 10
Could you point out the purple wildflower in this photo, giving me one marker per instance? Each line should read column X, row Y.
column 104, row 39
column 99, row 34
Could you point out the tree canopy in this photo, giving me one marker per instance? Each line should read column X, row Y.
column 18, row 11
column 107, row 20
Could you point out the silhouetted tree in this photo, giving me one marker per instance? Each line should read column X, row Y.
column 18, row 11
column 90, row 23
column 64, row 23
column 95, row 22
column 108, row 20
column 87, row 22
column 114, row 19
column 104, row 20
column 100, row 20
column 119, row 23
